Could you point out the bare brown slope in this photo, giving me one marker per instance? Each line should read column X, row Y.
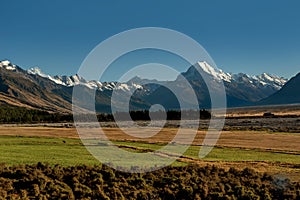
column 21, row 89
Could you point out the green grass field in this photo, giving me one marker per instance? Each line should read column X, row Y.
column 228, row 154
column 30, row 150
column 55, row 181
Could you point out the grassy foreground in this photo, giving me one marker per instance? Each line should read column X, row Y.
column 30, row 150
column 69, row 152
column 72, row 172
column 227, row 153
column 66, row 152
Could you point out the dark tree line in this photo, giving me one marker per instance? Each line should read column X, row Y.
column 146, row 115
column 170, row 115
column 10, row 114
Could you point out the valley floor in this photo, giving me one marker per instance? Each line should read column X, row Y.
column 274, row 152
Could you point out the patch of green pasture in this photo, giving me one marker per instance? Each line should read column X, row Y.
column 227, row 153
column 63, row 151
column 30, row 150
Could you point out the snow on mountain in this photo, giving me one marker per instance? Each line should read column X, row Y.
column 62, row 80
column 216, row 73
column 272, row 80
column 262, row 80
column 288, row 94
column 38, row 71
column 78, row 80
column 6, row 64
column 241, row 89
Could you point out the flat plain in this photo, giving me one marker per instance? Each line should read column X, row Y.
column 264, row 150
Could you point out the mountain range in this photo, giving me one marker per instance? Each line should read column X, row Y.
column 288, row 94
column 34, row 89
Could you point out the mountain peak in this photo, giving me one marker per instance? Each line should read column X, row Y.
column 36, row 70
column 206, row 67
column 241, row 89
column 39, row 72
column 6, row 64
column 214, row 72
column 288, row 94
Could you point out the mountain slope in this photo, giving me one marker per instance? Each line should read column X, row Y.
column 21, row 89
column 35, row 89
column 288, row 94
column 241, row 89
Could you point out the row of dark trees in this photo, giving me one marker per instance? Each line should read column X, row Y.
column 145, row 115
column 169, row 115
column 9, row 114
column 42, row 181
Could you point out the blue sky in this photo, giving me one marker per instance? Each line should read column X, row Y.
column 241, row 36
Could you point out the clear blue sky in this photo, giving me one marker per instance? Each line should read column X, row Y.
column 241, row 36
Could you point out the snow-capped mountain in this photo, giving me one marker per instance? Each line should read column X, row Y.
column 288, row 94
column 259, row 80
column 241, row 89
column 70, row 81
column 19, row 88
column 216, row 73
column 6, row 64
column 275, row 81
column 35, row 89
column 263, row 80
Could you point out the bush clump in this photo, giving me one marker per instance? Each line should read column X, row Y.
column 42, row 181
